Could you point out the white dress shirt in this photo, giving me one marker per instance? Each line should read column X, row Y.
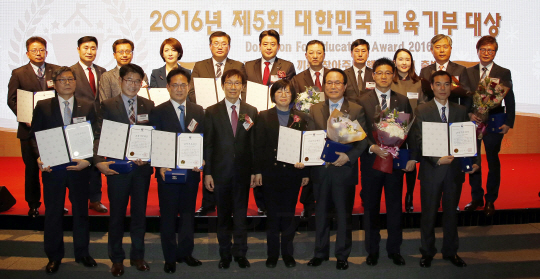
column 229, row 109
column 62, row 106
column 222, row 66
column 85, row 68
column 177, row 110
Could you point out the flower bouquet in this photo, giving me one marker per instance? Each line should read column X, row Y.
column 487, row 96
column 341, row 131
column 390, row 131
column 306, row 99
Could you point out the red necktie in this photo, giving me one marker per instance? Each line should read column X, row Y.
column 266, row 75
column 234, row 119
column 317, row 80
column 92, row 80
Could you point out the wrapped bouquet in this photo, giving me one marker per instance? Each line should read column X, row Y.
column 306, row 99
column 487, row 96
column 341, row 131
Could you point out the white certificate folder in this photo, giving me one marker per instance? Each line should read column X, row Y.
column 80, row 140
column 442, row 139
column 189, row 151
column 300, row 146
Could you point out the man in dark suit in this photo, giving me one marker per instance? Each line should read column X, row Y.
column 439, row 176
column 229, row 171
column 108, row 83
column 487, row 49
column 88, row 74
column 267, row 70
column 126, row 108
column 177, row 199
column 312, row 77
column 335, row 182
column 34, row 76
column 374, row 180
column 64, row 109
column 359, row 75
column 214, row 67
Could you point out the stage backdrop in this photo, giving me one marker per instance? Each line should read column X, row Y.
column 387, row 25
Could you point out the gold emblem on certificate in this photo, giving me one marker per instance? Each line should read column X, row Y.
column 306, row 159
column 456, row 150
column 132, row 153
column 182, row 162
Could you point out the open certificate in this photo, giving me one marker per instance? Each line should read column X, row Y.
column 289, row 144
column 158, row 95
column 163, row 149
column 190, row 151
column 208, row 91
column 312, row 147
column 26, row 102
column 112, row 141
column 139, row 142
column 463, row 139
column 80, row 140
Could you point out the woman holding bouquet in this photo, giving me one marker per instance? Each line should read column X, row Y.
column 280, row 181
column 407, row 83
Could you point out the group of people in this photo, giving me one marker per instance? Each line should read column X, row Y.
column 240, row 149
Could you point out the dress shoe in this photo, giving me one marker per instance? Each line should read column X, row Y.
column 224, row 263
column 372, row 259
column 397, row 258
column 455, row 260
column 203, row 210
column 33, row 212
column 87, row 261
column 242, row 262
column 271, row 262
column 316, row 261
column 409, row 203
column 52, row 267
column 117, row 269
column 169, row 267
column 342, row 265
column 189, row 260
column 473, row 205
column 288, row 261
column 489, row 209
column 98, row 206
column 66, row 211
column 425, row 261
column 261, row 211
column 141, row 265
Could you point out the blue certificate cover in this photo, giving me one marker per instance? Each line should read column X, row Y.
column 121, row 166
column 466, row 163
column 330, row 149
column 176, row 176
column 401, row 161
column 495, row 121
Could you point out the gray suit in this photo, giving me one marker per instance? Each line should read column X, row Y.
column 205, row 69
column 109, row 86
column 83, row 90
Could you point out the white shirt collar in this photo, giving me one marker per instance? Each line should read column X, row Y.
column 445, row 65
column 439, row 107
column 489, row 66
column 215, row 62
column 358, row 69
column 36, row 67
column 176, row 104
column 271, row 60
column 229, row 104
column 86, row 67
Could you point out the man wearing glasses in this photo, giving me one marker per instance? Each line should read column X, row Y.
column 131, row 109
column 109, row 85
column 34, row 76
column 220, row 43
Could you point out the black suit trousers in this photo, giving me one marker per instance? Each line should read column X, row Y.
column 94, row 192
column 492, row 143
column 209, row 199
column 32, row 188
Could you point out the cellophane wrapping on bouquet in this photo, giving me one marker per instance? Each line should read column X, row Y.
column 341, row 129
column 488, row 95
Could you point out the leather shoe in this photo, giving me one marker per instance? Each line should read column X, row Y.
column 342, row 265
column 489, row 209
column 271, row 262
column 397, row 258
column 455, row 260
column 87, row 261
column 52, row 267
column 409, row 203
column 117, row 269
column 242, row 262
column 316, row 261
column 98, row 206
column 261, row 211
column 473, row 205
column 288, row 261
column 203, row 210
column 141, row 265
column 169, row 267
column 372, row 259
column 33, row 212
column 425, row 261
column 224, row 263
column 189, row 260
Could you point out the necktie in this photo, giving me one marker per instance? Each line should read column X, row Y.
column 131, row 112
column 441, row 68
column 92, row 80
column 40, row 72
column 383, row 105
column 317, row 80
column 443, row 115
column 484, row 73
column 218, row 72
column 360, row 81
column 67, row 113
column 234, row 119
column 266, row 75
column 182, row 118
column 333, row 107
column 41, row 78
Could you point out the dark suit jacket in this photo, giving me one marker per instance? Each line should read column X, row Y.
column 505, row 77
column 353, row 92
column 47, row 115
column 227, row 156
column 83, row 89
column 25, row 78
column 255, row 74
column 303, row 79
column 113, row 109
column 454, row 70
column 158, row 79
column 205, row 69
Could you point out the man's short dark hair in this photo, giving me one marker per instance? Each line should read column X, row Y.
column 175, row 44
column 35, row 39
column 231, row 73
column 58, row 72
column 131, row 68
column 220, row 34
column 271, row 33
column 485, row 41
column 121, row 42
column 313, row 42
column 176, row 72
column 383, row 61
column 359, row 42
column 439, row 73
column 282, row 84
column 87, row 39
column 335, row 70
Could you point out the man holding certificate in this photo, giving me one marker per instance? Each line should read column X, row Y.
column 65, row 109
column 229, row 171
column 131, row 109
column 177, row 199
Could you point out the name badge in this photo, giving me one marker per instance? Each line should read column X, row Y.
column 495, row 80
column 457, row 77
column 192, row 125
column 412, row 95
column 370, row 85
column 50, row 84
column 144, row 84
column 274, row 78
column 141, row 118
column 247, row 123
column 77, row 120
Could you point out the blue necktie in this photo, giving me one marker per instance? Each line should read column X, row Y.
column 67, row 113
column 443, row 115
column 383, row 105
column 333, row 107
column 182, row 118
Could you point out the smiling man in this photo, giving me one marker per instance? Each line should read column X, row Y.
column 359, row 75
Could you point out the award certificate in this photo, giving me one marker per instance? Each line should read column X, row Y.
column 139, row 143
column 463, row 139
column 52, row 147
column 190, row 151
column 434, row 139
column 163, row 149
column 289, row 144
column 112, row 141
column 80, row 140
column 312, row 147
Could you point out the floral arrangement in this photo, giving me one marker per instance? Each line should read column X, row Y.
column 341, row 129
column 306, row 99
column 487, row 96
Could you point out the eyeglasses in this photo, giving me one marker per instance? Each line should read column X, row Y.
column 133, row 82
column 34, row 51
column 216, row 44
column 230, row 84
column 445, row 47
column 488, row 51
column 175, row 86
column 283, row 92
column 122, row 52
column 384, row 73
column 65, row 80
column 336, row 83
